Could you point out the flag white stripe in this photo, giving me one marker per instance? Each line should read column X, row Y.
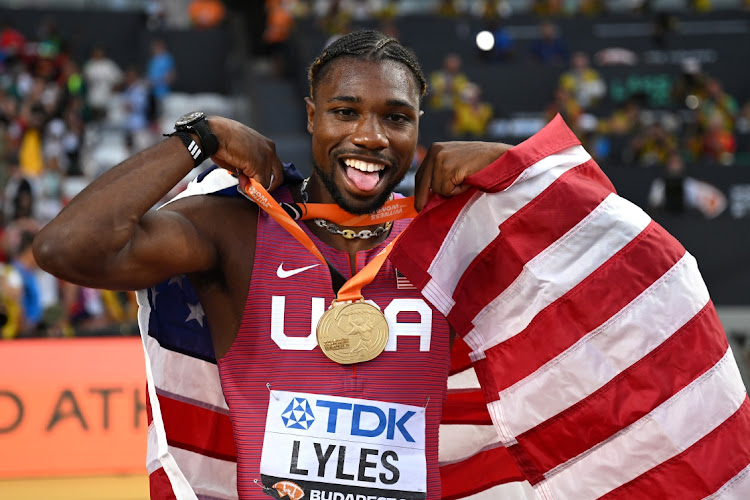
column 459, row 442
column 478, row 223
column 191, row 378
column 602, row 354
column 209, row 476
column 558, row 269
column 667, row 431
column 157, row 443
column 214, row 181
column 734, row 489
column 466, row 379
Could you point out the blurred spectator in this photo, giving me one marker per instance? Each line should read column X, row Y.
column 471, row 114
column 583, row 82
column 719, row 144
column 30, row 156
column 23, row 262
column 156, row 14
column 652, row 146
column 336, row 21
column 136, row 100
column 545, row 8
column 161, row 72
column 447, row 83
column 447, row 8
column 491, row 10
column 662, row 25
column 689, row 89
column 11, row 292
column 626, row 119
column 717, row 105
column 12, row 43
column 102, row 75
column 503, row 49
column 279, row 24
column 674, row 192
column 565, row 105
column 205, row 14
column 549, row 48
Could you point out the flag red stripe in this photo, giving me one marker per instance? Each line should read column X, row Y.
column 525, row 235
column 701, row 469
column 159, row 486
column 460, row 359
column 414, row 249
column 465, row 406
column 653, row 252
column 552, row 139
column 669, row 368
column 198, row 429
column 482, row 471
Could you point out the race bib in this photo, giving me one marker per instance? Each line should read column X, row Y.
column 333, row 448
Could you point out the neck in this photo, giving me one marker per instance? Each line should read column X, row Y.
column 317, row 193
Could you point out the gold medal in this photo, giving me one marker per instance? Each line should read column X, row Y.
column 352, row 333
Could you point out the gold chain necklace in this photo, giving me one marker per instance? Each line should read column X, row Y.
column 349, row 234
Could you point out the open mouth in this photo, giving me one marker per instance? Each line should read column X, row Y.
column 364, row 175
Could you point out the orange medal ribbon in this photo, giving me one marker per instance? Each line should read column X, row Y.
column 352, row 290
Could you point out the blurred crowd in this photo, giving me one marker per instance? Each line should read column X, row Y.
column 56, row 111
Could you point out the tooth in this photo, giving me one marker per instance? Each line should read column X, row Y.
column 370, row 167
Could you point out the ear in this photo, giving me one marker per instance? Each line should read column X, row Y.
column 310, row 105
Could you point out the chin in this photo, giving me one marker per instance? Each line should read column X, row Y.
column 352, row 203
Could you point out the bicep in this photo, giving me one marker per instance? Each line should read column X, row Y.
column 164, row 243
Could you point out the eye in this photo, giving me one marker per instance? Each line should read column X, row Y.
column 398, row 118
column 344, row 112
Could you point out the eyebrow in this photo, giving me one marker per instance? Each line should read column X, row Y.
column 390, row 102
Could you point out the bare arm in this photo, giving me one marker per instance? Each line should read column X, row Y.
column 447, row 165
column 107, row 237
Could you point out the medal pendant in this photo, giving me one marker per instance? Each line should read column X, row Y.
column 352, row 333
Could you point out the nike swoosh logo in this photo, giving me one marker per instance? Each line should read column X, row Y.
column 285, row 274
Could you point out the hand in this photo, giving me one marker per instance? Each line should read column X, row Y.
column 247, row 153
column 448, row 164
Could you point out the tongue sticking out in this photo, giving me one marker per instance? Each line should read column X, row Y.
column 365, row 181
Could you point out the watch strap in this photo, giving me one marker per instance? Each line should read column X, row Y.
column 193, row 147
column 209, row 142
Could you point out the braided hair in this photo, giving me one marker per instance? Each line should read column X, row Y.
column 365, row 45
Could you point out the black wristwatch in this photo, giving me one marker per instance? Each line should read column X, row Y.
column 196, row 122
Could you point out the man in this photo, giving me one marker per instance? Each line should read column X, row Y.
column 363, row 114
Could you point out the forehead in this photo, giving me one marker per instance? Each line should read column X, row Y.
column 386, row 79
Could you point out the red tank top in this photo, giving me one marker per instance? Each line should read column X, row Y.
column 275, row 359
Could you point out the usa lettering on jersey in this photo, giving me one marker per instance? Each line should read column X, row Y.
column 421, row 329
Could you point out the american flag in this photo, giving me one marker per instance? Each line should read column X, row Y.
column 603, row 365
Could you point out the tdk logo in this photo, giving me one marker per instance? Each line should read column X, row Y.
column 386, row 423
column 298, row 415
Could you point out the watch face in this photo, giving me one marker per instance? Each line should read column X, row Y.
column 189, row 119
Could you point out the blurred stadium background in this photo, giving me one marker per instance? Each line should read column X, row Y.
column 656, row 89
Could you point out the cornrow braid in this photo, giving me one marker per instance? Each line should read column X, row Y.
column 365, row 45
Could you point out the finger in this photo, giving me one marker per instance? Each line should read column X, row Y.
column 277, row 171
column 423, row 180
column 221, row 163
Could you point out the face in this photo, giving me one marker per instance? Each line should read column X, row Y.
column 364, row 123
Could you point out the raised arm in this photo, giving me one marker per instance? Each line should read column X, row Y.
column 447, row 165
column 107, row 236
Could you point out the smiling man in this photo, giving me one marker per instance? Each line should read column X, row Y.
column 343, row 399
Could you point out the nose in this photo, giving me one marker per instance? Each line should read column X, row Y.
column 370, row 134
